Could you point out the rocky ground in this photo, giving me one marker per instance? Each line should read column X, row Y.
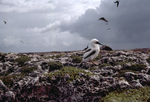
column 60, row 77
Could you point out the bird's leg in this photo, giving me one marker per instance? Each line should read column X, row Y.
column 95, row 63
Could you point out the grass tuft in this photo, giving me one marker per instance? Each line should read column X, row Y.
column 22, row 59
column 27, row 69
column 131, row 95
column 136, row 67
column 73, row 72
column 76, row 59
column 8, row 80
column 55, row 66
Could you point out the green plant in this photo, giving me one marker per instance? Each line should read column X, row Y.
column 136, row 67
column 27, row 69
column 22, row 59
column 55, row 65
column 122, row 63
column 104, row 65
column 131, row 95
column 76, row 59
column 123, row 71
column 73, row 72
column 8, row 80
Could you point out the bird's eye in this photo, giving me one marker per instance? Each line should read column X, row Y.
column 96, row 42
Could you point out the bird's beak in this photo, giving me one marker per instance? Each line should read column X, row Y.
column 99, row 43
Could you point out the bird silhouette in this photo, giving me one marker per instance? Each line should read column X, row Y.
column 4, row 22
column 103, row 19
column 21, row 41
column 117, row 2
column 108, row 28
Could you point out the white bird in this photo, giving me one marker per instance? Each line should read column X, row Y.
column 93, row 52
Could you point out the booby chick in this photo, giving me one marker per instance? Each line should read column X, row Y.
column 93, row 52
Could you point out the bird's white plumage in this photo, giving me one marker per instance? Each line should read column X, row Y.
column 93, row 53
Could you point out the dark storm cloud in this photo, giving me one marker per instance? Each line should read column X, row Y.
column 129, row 24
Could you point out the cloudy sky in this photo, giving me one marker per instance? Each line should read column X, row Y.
column 62, row 25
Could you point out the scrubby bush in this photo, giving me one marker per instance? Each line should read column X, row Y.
column 76, row 59
column 22, row 59
column 55, row 65
column 136, row 67
column 8, row 80
column 27, row 69
column 131, row 95
column 73, row 72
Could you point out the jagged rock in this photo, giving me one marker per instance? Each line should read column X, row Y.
column 10, row 96
column 3, row 86
column 47, row 83
column 136, row 83
column 130, row 76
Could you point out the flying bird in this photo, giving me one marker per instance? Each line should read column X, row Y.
column 21, row 41
column 93, row 52
column 4, row 22
column 103, row 19
column 117, row 2
column 108, row 28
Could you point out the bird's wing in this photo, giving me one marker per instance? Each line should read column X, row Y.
column 91, row 53
column 88, row 50
column 5, row 22
column 105, row 20
column 85, row 48
column 117, row 4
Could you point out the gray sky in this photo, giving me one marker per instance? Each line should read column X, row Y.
column 57, row 25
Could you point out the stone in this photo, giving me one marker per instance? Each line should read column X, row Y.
column 96, row 81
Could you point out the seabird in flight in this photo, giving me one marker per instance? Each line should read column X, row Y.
column 4, row 22
column 103, row 19
column 117, row 2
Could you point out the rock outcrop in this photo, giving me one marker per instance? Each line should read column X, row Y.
column 60, row 77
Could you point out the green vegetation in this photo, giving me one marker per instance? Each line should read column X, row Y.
column 76, row 59
column 27, row 69
column 92, row 68
column 135, row 68
column 131, row 95
column 104, row 65
column 8, row 80
column 22, row 59
column 122, row 63
column 55, row 65
column 73, row 72
column 122, row 72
